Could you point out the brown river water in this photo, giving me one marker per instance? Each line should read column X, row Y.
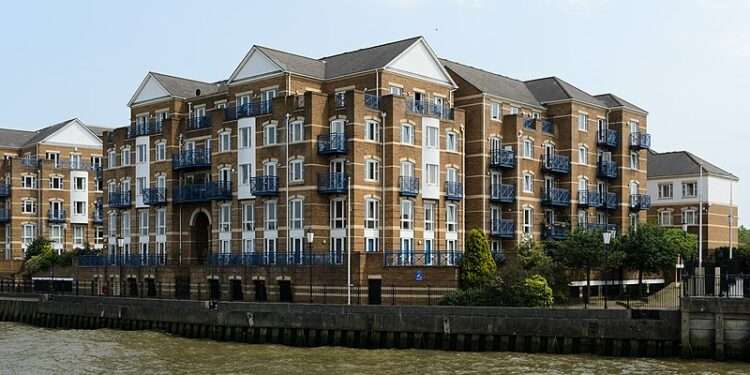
column 31, row 350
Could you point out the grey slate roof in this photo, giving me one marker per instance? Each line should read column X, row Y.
column 15, row 138
column 492, row 83
column 614, row 101
column 682, row 163
column 295, row 63
column 365, row 59
column 98, row 130
column 47, row 131
column 184, row 87
column 551, row 89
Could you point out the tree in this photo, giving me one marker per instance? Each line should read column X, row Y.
column 648, row 249
column 38, row 247
column 534, row 259
column 39, row 256
column 535, row 292
column 744, row 237
column 478, row 268
column 582, row 250
column 686, row 244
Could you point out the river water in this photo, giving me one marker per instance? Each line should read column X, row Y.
column 31, row 350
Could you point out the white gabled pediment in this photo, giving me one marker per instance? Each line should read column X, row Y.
column 74, row 133
column 255, row 64
column 149, row 89
column 419, row 60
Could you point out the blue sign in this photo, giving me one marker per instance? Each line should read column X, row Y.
column 419, row 276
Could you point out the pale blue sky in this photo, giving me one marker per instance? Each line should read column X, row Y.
column 686, row 62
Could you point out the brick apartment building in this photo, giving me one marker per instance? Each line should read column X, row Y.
column 387, row 151
column 50, row 186
column 676, row 184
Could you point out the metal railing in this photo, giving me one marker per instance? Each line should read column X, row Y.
column 611, row 202
column 596, row 227
column 640, row 140
column 454, row 190
column 275, row 259
column 640, row 201
column 119, row 199
column 556, row 231
column 152, row 126
column 502, row 193
column 132, row 260
column 720, row 285
column 154, row 195
column 425, row 108
column 607, row 138
column 56, row 216
column 607, row 169
column 529, row 123
column 556, row 163
column 556, row 197
column 548, row 127
column 589, row 198
column 501, row 158
column 212, row 190
column 408, row 185
column 4, row 190
column 186, row 159
column 198, row 122
column 372, row 101
column 332, row 182
column 502, row 228
column 250, row 109
column 264, row 185
column 427, row 258
column 332, row 144
column 4, row 215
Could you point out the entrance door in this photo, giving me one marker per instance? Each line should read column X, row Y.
column 374, row 291
column 199, row 238
column 260, row 291
column 182, row 286
column 285, row 291
column 132, row 287
column 150, row 288
column 214, row 289
column 236, row 290
column 338, row 247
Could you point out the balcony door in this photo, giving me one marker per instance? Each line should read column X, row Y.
column 269, row 169
column 407, row 169
column 549, row 150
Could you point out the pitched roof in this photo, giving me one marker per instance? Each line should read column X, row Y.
column 365, row 59
column 682, row 163
column 98, row 130
column 184, row 87
column 295, row 63
column 45, row 132
column 15, row 138
column 614, row 101
column 492, row 83
column 552, row 89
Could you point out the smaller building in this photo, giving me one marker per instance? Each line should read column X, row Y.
column 677, row 186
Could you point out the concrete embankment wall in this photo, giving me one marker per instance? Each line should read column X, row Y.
column 612, row 332
column 716, row 327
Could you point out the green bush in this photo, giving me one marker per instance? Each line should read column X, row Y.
column 478, row 267
column 534, row 292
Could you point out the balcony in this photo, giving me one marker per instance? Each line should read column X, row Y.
column 198, row 122
column 529, row 123
column 433, row 258
column 134, row 260
column 56, row 216
column 595, row 227
column 150, row 127
column 502, row 228
column 454, row 191
column 264, row 186
column 372, row 101
column 29, row 162
column 97, row 217
column 214, row 190
column 191, row 159
column 606, row 169
column 250, row 109
column 610, row 202
column 4, row 215
column 119, row 199
column 640, row 201
column 501, row 158
column 589, row 199
column 556, row 231
column 274, row 259
column 607, row 138
column 332, row 144
column 556, row 164
column 332, row 183
column 154, row 196
column 4, row 190
column 502, row 193
column 556, row 197
column 548, row 127
column 408, row 185
column 425, row 108
column 640, row 141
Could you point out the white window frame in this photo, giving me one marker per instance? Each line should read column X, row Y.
column 297, row 170
column 496, row 111
column 433, row 174
column 665, row 218
column 528, row 148
column 407, row 134
column 685, row 193
column 372, row 170
column 528, row 182
column 143, row 222
column 583, row 155
column 225, row 141
column 583, row 122
column 161, row 151
column 372, row 131
column 372, row 213
column 690, row 216
column 269, row 135
column 429, row 216
column 451, row 141
column 271, row 215
column 432, row 137
column 663, row 188
column 296, row 214
column 407, row 214
column 296, row 131
column 451, row 217
column 248, row 217
column 245, row 138
column 528, row 220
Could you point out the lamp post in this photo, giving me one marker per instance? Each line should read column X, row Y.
column 120, row 245
column 607, row 237
column 310, row 236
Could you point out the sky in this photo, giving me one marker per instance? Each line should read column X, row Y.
column 686, row 62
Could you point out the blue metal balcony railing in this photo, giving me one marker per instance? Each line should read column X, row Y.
column 189, row 159
column 250, row 109
column 640, row 201
column 154, row 196
column 529, row 123
column 607, row 169
column 129, row 260
column 607, row 138
column 213, row 190
column 589, row 199
column 29, row 161
column 275, row 259
column 264, row 186
column 408, row 185
column 596, row 227
column 425, row 108
column 152, row 126
column 372, row 101
column 502, row 228
column 332, row 144
column 4, row 215
column 454, row 191
column 501, row 158
column 340, row 99
column 556, row 197
column 56, row 216
column 97, row 217
column 119, row 199
column 198, row 122
column 502, row 193
column 611, row 201
column 548, row 127
column 556, row 231
column 332, row 183
column 4, row 190
column 427, row 258
column 556, row 164
column 640, row 141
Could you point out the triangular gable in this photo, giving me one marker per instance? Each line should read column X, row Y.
column 74, row 133
column 255, row 64
column 419, row 60
column 149, row 89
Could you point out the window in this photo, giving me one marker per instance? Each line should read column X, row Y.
column 141, row 152
column 112, row 224
column 245, row 138
column 407, row 214
column 665, row 191
column 75, row 161
column 125, row 156
column 296, row 170
column 244, row 174
column 372, row 131
column 634, row 160
column 79, row 208
column 28, row 181
column 56, row 182
column 111, row 159
column 78, row 234
column 528, row 220
column 225, row 218
column 582, row 218
column 396, row 90
column 371, row 214
column 98, row 235
column 528, row 183
column 296, row 132
column 28, row 206
column 372, row 171
column 536, row 115
column 248, row 217
column 689, row 216
column 407, row 134
column 269, row 135
column 161, row 222
column 126, row 224
column 432, row 138
column 583, row 155
column 665, row 217
column 429, row 216
column 295, row 214
column 161, row 151
column 54, row 157
column 528, row 149
column 432, row 174
column 495, row 111
column 338, row 214
column 583, row 122
column 451, row 141
column 271, row 215
column 514, row 110
column 225, row 141
column 450, row 217
column 143, row 222
column 689, row 189
column 29, row 234
column 80, row 183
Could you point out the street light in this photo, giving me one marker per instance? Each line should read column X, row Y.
column 310, row 236
column 607, row 237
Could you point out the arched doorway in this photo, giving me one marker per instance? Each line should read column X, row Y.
column 199, row 230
